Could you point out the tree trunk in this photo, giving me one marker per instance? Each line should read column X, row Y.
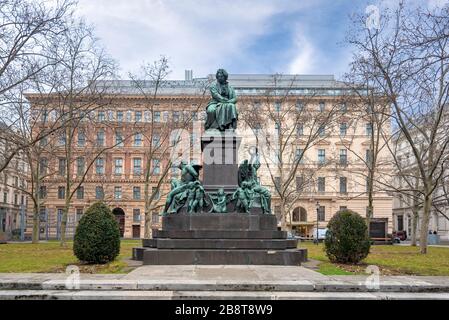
column 65, row 213
column 425, row 224
column 415, row 217
column 36, row 222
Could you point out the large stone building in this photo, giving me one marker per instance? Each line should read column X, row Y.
column 404, row 201
column 128, row 125
column 13, row 198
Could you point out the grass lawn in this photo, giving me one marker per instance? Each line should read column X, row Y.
column 391, row 260
column 50, row 257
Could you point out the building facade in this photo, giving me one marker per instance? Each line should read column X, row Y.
column 130, row 124
column 13, row 198
column 403, row 202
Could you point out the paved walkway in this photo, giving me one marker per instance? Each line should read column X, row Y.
column 220, row 282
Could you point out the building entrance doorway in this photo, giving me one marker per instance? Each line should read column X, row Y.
column 136, row 231
column 120, row 218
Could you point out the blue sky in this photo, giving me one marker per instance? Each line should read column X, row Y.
column 244, row 36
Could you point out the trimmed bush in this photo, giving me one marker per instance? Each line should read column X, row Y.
column 347, row 239
column 97, row 237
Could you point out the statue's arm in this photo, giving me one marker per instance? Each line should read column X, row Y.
column 192, row 171
column 218, row 97
column 232, row 96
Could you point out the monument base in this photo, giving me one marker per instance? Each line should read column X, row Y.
column 211, row 239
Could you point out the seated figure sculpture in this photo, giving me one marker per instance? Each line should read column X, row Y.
column 185, row 190
column 250, row 186
column 221, row 110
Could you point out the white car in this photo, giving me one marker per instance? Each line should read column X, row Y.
column 321, row 233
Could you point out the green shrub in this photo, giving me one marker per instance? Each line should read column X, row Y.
column 347, row 239
column 97, row 237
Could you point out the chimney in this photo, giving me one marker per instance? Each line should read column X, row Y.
column 189, row 75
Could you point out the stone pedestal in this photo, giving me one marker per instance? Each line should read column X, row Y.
column 228, row 238
column 220, row 161
column 220, row 238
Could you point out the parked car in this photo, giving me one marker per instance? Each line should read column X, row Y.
column 321, row 234
column 401, row 235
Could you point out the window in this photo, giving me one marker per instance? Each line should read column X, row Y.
column 321, row 184
column 137, row 166
column 343, row 107
column 138, row 140
column 43, row 192
column 100, row 137
column 299, row 155
column 300, row 130
column 322, row 106
column 117, row 193
column 80, row 166
column 61, row 192
column 136, row 193
column 343, row 208
column 16, row 199
column 299, row 184
column 369, row 156
column 44, row 115
column 277, row 106
column 277, row 182
column 156, row 140
column 165, row 116
column 155, row 217
column 99, row 166
column 5, row 197
column 43, row 142
column 343, row 129
column 138, row 116
column 99, row 193
column 43, row 165
column 79, row 214
column 156, row 192
column 194, row 116
column 81, row 139
column 136, row 215
column 299, row 106
column 62, row 139
column 118, row 166
column 119, row 139
column 321, row 156
column 176, row 116
column 322, row 130
column 80, row 193
column 156, row 166
column 157, row 116
column 119, row 116
column 369, row 129
column 101, row 116
column 146, row 116
column 322, row 213
column 128, row 116
column 62, row 163
column 343, row 185
column 343, row 157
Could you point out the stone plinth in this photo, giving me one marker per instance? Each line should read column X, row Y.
column 228, row 238
column 220, row 161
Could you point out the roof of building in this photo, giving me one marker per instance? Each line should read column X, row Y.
column 246, row 84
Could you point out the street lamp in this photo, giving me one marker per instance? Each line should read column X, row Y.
column 317, row 220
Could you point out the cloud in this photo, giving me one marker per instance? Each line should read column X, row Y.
column 305, row 58
column 199, row 35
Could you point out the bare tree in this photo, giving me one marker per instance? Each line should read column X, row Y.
column 169, row 141
column 27, row 31
column 76, row 98
column 408, row 59
column 298, row 124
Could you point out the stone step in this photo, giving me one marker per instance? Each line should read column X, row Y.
column 154, row 256
column 263, row 244
column 211, row 295
column 220, row 234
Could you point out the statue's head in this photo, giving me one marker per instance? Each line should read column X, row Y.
column 221, row 76
column 221, row 191
column 182, row 164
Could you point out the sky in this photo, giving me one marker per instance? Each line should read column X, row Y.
column 242, row 36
